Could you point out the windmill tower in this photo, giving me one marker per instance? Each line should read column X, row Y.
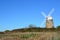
column 49, row 22
column 48, row 19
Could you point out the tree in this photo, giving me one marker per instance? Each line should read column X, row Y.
column 32, row 26
column 58, row 27
column 7, row 31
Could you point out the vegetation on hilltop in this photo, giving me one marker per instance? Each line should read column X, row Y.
column 32, row 28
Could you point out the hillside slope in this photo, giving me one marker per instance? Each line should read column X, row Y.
column 31, row 36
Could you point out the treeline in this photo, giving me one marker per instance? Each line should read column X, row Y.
column 32, row 28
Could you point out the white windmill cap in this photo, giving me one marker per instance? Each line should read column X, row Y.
column 49, row 18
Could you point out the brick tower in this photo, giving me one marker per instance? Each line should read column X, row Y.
column 49, row 22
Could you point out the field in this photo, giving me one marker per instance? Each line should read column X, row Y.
column 31, row 36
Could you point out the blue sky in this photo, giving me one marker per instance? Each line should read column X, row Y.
column 16, row 14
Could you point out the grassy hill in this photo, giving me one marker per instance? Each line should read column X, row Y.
column 31, row 36
column 33, row 33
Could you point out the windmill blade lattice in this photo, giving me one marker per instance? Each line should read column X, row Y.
column 51, row 12
column 43, row 14
column 43, row 22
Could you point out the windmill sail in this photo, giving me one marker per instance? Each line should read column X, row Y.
column 49, row 19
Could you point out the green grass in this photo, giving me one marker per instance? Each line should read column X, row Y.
column 33, row 35
column 27, row 35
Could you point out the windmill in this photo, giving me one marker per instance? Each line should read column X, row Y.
column 48, row 19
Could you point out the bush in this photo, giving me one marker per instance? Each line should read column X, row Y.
column 7, row 31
